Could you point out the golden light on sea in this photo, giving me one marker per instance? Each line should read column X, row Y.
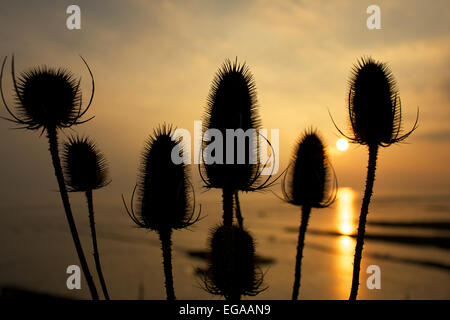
column 345, row 198
column 345, row 244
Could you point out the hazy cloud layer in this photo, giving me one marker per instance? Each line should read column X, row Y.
column 154, row 61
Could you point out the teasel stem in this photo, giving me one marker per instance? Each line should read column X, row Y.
column 53, row 148
column 227, row 198
column 166, row 242
column 373, row 153
column 235, row 296
column 306, row 210
column 98, row 265
column 239, row 218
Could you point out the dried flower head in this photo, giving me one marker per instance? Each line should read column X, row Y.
column 309, row 181
column 242, row 276
column 164, row 200
column 374, row 105
column 232, row 104
column 85, row 168
column 232, row 100
column 46, row 98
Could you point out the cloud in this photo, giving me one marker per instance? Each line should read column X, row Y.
column 153, row 61
column 436, row 136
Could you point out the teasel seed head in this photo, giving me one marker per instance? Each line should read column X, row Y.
column 232, row 104
column 85, row 167
column 374, row 105
column 309, row 178
column 46, row 98
column 165, row 200
column 245, row 278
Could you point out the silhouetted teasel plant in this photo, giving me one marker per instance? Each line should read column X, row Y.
column 375, row 114
column 48, row 100
column 311, row 184
column 165, row 200
column 232, row 104
column 86, row 170
column 244, row 277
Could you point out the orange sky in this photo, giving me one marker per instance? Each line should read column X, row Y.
column 154, row 61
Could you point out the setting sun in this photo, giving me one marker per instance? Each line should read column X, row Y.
column 342, row 144
column 197, row 150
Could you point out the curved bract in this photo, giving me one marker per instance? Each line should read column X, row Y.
column 85, row 167
column 50, row 99
column 374, row 105
column 310, row 177
column 164, row 200
column 232, row 104
column 46, row 98
column 376, row 120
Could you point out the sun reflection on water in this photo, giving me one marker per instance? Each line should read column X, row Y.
column 345, row 199
column 345, row 244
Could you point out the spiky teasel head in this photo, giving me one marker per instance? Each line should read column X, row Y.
column 309, row 176
column 164, row 198
column 46, row 98
column 245, row 278
column 232, row 100
column 232, row 105
column 374, row 105
column 85, row 167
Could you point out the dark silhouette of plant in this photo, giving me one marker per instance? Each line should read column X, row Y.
column 86, row 170
column 48, row 100
column 164, row 201
column 245, row 278
column 239, row 217
column 232, row 106
column 375, row 117
column 308, row 187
